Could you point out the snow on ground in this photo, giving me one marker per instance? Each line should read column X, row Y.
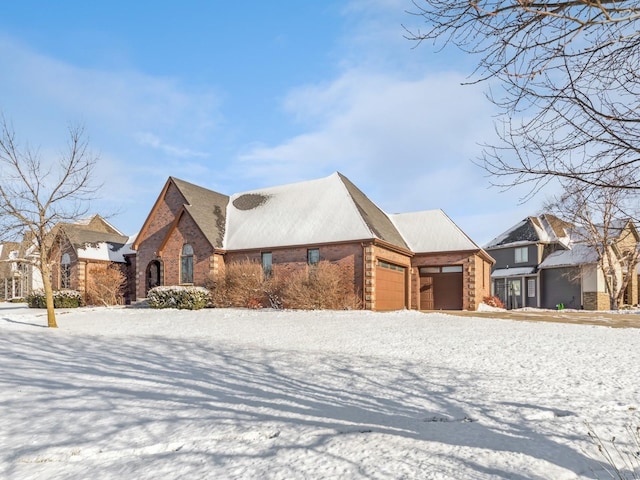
column 240, row 394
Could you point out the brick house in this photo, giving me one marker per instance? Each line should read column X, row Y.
column 80, row 250
column 191, row 233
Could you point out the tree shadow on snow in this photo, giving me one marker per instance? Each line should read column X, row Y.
column 211, row 406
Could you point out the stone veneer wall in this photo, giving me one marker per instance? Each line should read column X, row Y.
column 595, row 301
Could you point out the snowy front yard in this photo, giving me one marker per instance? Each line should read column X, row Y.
column 239, row 394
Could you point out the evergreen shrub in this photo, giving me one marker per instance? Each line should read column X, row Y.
column 61, row 299
column 184, row 298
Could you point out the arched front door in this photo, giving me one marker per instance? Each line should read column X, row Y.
column 154, row 275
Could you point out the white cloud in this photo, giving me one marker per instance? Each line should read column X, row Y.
column 377, row 125
column 407, row 142
column 126, row 103
column 142, row 126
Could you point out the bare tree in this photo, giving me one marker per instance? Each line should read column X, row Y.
column 36, row 194
column 603, row 221
column 568, row 84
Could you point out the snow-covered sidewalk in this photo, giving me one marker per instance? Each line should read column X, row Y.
column 235, row 394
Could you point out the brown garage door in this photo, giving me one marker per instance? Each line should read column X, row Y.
column 441, row 288
column 390, row 286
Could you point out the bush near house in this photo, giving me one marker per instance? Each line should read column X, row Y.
column 242, row 285
column 61, row 299
column 493, row 301
column 184, row 298
column 324, row 286
column 105, row 286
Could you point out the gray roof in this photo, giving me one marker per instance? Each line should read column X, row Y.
column 208, row 209
column 545, row 228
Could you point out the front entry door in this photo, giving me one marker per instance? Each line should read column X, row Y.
column 514, row 299
column 154, row 278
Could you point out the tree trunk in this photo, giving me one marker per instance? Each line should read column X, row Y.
column 48, row 295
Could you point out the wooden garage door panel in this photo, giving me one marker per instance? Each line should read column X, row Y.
column 441, row 291
column 390, row 289
column 448, row 291
column 426, row 293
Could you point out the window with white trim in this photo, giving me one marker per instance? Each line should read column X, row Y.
column 521, row 255
column 531, row 287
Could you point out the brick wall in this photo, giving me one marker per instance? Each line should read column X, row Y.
column 159, row 222
column 480, row 275
column 185, row 232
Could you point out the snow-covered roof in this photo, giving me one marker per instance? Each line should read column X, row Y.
column 512, row 272
column 542, row 229
column 108, row 251
column 431, row 231
column 325, row 210
column 578, row 254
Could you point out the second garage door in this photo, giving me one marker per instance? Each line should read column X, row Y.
column 441, row 288
column 390, row 286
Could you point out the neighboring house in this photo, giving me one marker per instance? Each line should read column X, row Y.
column 18, row 272
column 518, row 252
column 542, row 262
column 14, row 284
column 576, row 273
column 418, row 260
column 81, row 249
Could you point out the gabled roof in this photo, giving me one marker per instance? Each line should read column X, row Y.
column 207, row 208
column 95, row 239
column 545, row 228
column 80, row 235
column 326, row 210
column 432, row 231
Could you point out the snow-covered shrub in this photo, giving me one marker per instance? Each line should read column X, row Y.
column 61, row 299
column 493, row 301
column 186, row 298
column 105, row 285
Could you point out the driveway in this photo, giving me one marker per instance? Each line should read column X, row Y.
column 621, row 319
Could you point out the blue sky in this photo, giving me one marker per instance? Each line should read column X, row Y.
column 235, row 96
